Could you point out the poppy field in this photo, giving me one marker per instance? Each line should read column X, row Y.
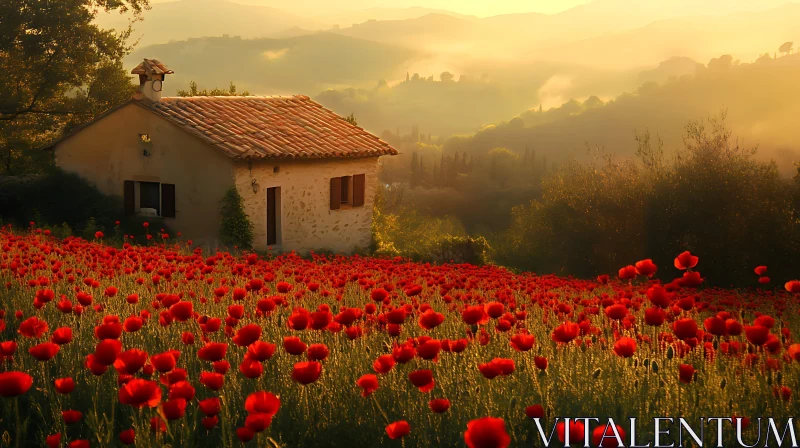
column 167, row 346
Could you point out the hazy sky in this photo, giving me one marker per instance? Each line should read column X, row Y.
column 479, row 8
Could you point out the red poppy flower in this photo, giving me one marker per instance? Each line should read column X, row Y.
column 317, row 352
column 383, row 364
column 32, row 327
column 686, row 261
column 646, row 267
column 212, row 351
column 430, row 319
column 14, row 383
column 625, row 347
column 793, row 286
column 398, row 429
column 182, row 311
column 654, row 316
column 535, row 411
column 212, row 380
column 53, row 440
column 616, row 312
column 604, row 436
column 293, row 345
column 576, row 431
column 474, row 315
column 715, row 325
column 760, row 270
column 429, row 349
column 44, row 352
column 685, row 328
column 487, row 432
column 64, row 385
column 210, row 406
column 70, row 417
column 247, row 335
column 262, row 403
column 540, row 362
column 627, row 273
column 62, row 336
column 260, row 350
column 258, row 422
column 251, row 368
column 181, row 389
column 107, row 351
column 140, row 393
column 379, row 294
column 368, row 383
column 685, row 373
column 174, row 409
column 422, row 379
column 306, row 372
column 439, row 405
column 565, row 332
column 80, row 443
column 163, row 362
column 127, row 437
column 756, row 334
column 522, row 342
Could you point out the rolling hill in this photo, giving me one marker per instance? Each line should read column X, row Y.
column 303, row 64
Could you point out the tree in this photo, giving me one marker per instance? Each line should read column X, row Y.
column 48, row 49
column 351, row 119
column 59, row 71
column 786, row 48
column 194, row 91
column 446, row 77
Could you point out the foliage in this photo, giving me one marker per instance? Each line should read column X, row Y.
column 59, row 71
column 398, row 230
column 712, row 197
column 194, row 91
column 351, row 119
column 235, row 228
column 56, row 197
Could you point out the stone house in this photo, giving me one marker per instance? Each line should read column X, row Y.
column 307, row 176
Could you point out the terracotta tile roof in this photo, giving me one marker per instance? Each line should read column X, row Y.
column 151, row 67
column 293, row 127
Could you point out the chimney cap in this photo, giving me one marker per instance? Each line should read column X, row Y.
column 151, row 67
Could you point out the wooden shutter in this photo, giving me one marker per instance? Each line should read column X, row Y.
column 359, row 184
column 336, row 193
column 129, row 197
column 168, row 200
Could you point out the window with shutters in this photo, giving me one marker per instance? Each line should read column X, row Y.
column 348, row 191
column 154, row 199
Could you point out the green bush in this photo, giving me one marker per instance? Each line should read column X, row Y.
column 66, row 204
column 713, row 198
column 54, row 198
column 236, row 228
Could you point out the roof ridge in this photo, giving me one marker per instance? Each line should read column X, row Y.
column 235, row 97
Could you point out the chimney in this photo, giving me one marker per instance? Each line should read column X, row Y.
column 151, row 78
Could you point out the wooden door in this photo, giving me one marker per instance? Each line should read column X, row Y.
column 272, row 216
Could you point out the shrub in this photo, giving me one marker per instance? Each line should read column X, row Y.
column 236, row 228
column 713, row 199
column 54, row 198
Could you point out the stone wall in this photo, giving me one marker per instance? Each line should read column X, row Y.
column 306, row 220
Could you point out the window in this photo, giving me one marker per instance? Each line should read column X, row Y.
column 149, row 199
column 346, row 199
column 348, row 191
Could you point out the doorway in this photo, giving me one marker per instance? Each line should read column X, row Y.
column 273, row 216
